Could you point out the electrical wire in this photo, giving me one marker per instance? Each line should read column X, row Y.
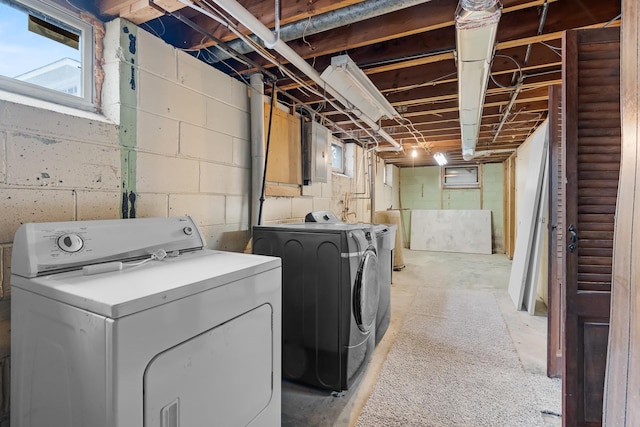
column 556, row 50
column 225, row 21
column 159, row 255
column 153, row 30
column 517, row 65
column 419, row 85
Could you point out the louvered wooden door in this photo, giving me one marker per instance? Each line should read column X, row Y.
column 556, row 231
column 591, row 118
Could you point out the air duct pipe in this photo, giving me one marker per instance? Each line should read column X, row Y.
column 244, row 17
column 331, row 20
column 476, row 27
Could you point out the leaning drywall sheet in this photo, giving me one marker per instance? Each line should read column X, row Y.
column 533, row 276
column 455, row 230
column 528, row 214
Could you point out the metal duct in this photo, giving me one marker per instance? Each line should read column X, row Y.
column 330, row 20
column 476, row 27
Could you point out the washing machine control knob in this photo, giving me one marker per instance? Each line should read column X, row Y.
column 188, row 231
column 70, row 242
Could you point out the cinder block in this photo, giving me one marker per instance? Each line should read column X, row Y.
column 227, row 119
column 6, row 271
column 92, row 205
column 206, row 209
column 300, row 206
column 223, row 179
column 169, row 99
column 111, row 43
column 237, row 210
column 322, row 204
column 277, row 208
column 156, row 56
column 33, row 205
column 157, row 134
column 201, row 77
column 111, row 92
column 241, row 152
column 38, row 161
column 326, row 190
column 150, row 205
column 313, row 190
column 49, row 124
column 226, row 237
column 162, row 174
column 205, row 144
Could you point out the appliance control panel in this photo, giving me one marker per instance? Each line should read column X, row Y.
column 322, row 217
column 48, row 247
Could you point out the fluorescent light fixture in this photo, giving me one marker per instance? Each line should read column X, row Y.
column 440, row 158
column 353, row 84
column 476, row 26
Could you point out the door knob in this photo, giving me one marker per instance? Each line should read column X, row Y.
column 574, row 238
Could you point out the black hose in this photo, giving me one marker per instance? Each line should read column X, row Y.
column 266, row 154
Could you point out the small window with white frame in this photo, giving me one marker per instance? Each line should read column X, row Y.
column 46, row 52
column 337, row 156
column 461, row 176
column 388, row 174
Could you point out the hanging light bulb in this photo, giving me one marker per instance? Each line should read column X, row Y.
column 414, row 153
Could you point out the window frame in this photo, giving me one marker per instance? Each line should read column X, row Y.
column 470, row 184
column 68, row 18
column 388, row 174
column 338, row 143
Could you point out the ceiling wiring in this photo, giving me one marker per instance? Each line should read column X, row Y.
column 519, row 71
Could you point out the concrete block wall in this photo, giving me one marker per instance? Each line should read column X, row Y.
column 53, row 167
column 346, row 196
column 192, row 145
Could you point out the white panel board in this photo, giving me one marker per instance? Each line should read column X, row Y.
column 455, row 230
column 533, row 276
column 529, row 213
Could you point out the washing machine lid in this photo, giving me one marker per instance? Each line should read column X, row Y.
column 133, row 289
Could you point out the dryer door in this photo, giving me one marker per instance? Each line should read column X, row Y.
column 366, row 291
column 223, row 376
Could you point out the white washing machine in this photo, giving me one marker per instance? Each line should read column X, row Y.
column 134, row 323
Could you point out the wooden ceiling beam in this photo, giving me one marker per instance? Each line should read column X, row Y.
column 290, row 11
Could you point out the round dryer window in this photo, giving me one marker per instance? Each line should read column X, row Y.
column 366, row 291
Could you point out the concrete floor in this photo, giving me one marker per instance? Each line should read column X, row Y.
column 306, row 406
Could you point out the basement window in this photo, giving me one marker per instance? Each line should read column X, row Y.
column 46, row 52
column 337, row 156
column 461, row 176
column 388, row 174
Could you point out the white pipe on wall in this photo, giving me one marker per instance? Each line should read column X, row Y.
column 257, row 144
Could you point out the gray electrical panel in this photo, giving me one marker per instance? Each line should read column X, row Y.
column 316, row 152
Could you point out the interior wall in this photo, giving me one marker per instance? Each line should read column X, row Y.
column 420, row 188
